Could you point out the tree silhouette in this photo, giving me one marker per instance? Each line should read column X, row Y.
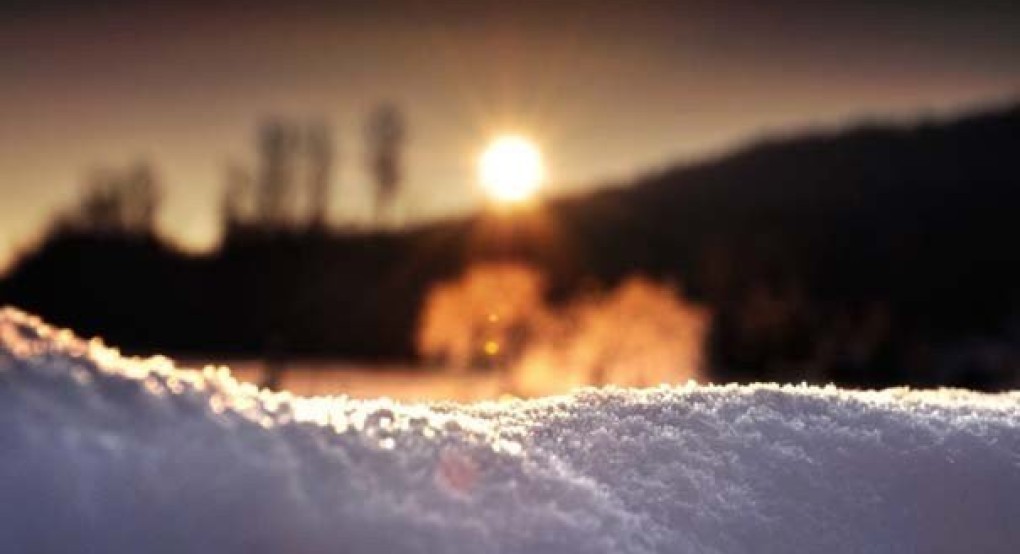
column 385, row 134
column 292, row 183
column 320, row 151
column 123, row 202
column 277, row 142
column 236, row 205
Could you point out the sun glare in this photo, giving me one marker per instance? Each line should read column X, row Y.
column 510, row 169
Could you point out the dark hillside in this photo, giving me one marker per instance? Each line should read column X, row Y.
column 867, row 257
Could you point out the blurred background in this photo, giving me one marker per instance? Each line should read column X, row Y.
column 464, row 200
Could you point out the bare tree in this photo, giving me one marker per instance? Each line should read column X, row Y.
column 277, row 142
column 385, row 134
column 140, row 199
column 320, row 157
column 118, row 202
column 237, row 202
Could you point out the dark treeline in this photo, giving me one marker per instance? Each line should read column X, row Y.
column 872, row 257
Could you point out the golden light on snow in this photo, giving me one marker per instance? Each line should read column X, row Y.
column 510, row 169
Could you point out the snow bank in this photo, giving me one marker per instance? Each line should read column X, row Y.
column 102, row 453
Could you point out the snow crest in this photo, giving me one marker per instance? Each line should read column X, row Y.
column 104, row 453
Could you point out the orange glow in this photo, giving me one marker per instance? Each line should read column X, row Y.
column 641, row 333
column 458, row 316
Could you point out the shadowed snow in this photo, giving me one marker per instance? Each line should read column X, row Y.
column 109, row 454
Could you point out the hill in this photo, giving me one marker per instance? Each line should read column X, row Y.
column 871, row 256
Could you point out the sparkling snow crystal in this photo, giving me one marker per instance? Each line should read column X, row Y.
column 101, row 453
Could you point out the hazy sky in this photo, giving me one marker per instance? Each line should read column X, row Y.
column 608, row 88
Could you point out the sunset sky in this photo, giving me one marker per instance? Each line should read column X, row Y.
column 608, row 89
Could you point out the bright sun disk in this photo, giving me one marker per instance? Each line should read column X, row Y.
column 510, row 169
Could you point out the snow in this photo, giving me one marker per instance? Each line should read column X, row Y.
column 104, row 453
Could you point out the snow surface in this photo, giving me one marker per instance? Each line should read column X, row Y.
column 100, row 453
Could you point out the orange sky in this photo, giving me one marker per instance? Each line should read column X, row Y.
column 609, row 89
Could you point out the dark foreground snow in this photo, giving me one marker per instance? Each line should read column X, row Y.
column 100, row 453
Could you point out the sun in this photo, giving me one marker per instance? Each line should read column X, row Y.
column 510, row 169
